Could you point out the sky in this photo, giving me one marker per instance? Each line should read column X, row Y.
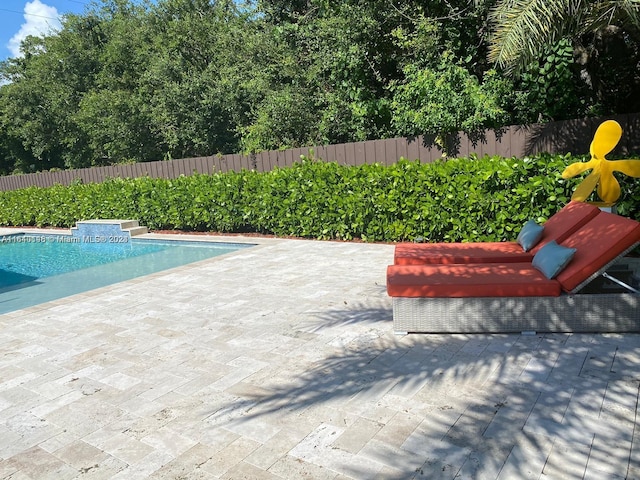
column 19, row 18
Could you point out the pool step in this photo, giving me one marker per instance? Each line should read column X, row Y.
column 137, row 231
column 106, row 227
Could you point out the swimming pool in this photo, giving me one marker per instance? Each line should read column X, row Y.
column 39, row 268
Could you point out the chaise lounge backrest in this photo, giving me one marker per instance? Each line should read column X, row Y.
column 558, row 228
column 598, row 243
column 565, row 222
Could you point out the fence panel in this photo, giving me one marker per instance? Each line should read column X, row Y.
column 232, row 162
column 175, row 169
column 329, row 153
column 320, row 152
column 247, row 162
column 152, row 170
column 198, row 165
column 358, row 152
column 187, row 167
column 137, row 170
column 462, row 145
column 96, row 175
column 178, row 167
column 369, row 148
column 341, row 154
column 401, row 147
column 351, row 155
column 209, row 166
column 413, row 149
column 390, row 152
column 489, row 146
column 287, row 158
column 274, row 160
column 427, row 152
column 297, row 154
column 380, row 152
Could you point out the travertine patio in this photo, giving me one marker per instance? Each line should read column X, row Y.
column 279, row 361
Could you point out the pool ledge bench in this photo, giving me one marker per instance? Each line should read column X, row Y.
column 129, row 228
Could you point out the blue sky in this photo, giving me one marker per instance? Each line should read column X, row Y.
column 19, row 18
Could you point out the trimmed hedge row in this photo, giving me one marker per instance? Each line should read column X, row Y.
column 468, row 199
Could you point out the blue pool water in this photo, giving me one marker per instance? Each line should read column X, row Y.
column 40, row 268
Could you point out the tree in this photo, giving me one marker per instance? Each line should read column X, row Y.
column 31, row 108
column 449, row 99
column 211, row 64
column 130, row 81
column 335, row 59
column 58, row 76
column 139, row 80
column 605, row 36
column 347, row 54
column 522, row 28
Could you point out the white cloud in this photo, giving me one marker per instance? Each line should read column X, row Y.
column 39, row 19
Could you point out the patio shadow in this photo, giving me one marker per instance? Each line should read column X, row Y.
column 477, row 404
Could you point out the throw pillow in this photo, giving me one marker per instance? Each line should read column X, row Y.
column 530, row 235
column 552, row 258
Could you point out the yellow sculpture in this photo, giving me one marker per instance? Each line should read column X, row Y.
column 605, row 139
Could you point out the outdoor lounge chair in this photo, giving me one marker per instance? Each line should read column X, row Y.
column 516, row 296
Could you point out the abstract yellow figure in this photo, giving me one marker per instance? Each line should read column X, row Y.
column 605, row 139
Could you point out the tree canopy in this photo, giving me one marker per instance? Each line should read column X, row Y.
column 138, row 81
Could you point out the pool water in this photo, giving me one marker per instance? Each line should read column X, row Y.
column 40, row 268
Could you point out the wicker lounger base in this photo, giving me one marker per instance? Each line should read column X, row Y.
column 611, row 312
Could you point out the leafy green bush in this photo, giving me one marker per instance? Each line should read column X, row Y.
column 468, row 199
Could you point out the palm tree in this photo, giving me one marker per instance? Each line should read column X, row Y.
column 522, row 28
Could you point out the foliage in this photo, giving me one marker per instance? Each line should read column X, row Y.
column 177, row 78
column 126, row 81
column 522, row 28
column 605, row 40
column 141, row 80
column 448, row 99
column 549, row 89
column 470, row 199
column 293, row 127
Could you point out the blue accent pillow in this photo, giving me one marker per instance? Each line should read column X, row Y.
column 552, row 258
column 530, row 235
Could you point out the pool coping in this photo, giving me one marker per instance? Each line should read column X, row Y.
column 212, row 238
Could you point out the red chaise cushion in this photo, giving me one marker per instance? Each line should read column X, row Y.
column 449, row 253
column 473, row 280
column 566, row 221
column 599, row 242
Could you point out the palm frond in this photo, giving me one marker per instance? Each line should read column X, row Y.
column 522, row 27
column 623, row 13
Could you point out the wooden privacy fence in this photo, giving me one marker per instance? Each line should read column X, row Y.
column 573, row 136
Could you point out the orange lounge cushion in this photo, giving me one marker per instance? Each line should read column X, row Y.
column 559, row 227
column 473, row 280
column 565, row 222
column 600, row 241
column 450, row 253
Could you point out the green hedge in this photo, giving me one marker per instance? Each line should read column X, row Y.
column 468, row 199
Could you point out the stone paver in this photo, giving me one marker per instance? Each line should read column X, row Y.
column 279, row 362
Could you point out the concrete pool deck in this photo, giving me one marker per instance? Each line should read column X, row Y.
column 279, row 362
